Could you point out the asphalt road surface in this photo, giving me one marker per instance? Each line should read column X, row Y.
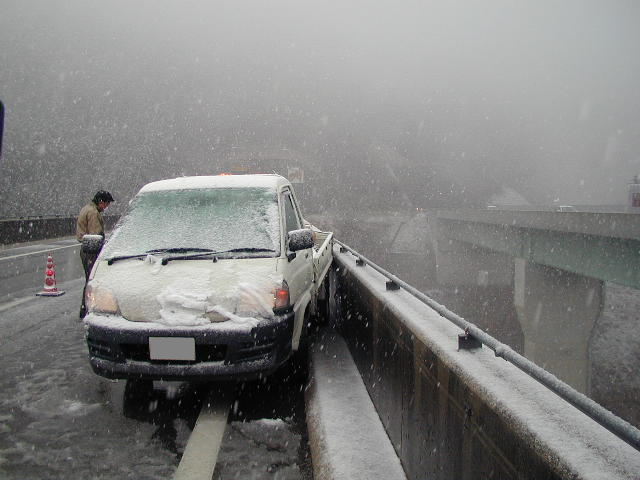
column 58, row 420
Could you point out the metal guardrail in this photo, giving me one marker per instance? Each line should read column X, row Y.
column 621, row 428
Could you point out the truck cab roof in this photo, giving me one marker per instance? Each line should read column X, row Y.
column 217, row 181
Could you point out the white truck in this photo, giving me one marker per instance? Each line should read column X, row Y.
column 211, row 277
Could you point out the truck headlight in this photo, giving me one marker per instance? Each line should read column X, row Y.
column 100, row 300
column 281, row 298
column 262, row 298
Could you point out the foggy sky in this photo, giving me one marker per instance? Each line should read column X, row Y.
column 419, row 103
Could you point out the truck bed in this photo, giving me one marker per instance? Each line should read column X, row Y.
column 322, row 255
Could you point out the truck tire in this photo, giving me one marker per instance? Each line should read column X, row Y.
column 300, row 358
column 322, row 303
column 137, row 395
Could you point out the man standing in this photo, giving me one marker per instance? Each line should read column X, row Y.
column 90, row 222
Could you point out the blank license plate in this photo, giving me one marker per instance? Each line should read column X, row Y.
column 172, row 348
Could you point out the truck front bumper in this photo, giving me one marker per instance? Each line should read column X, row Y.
column 122, row 351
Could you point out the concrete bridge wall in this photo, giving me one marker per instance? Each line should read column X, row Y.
column 20, row 230
column 462, row 414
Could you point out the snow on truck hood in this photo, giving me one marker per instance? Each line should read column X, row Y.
column 192, row 292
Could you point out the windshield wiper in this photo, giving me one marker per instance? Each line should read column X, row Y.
column 179, row 250
column 206, row 253
column 202, row 256
column 111, row 260
column 249, row 249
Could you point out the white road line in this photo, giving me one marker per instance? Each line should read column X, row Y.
column 14, row 303
column 201, row 453
column 38, row 252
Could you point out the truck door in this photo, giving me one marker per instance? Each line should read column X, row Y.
column 300, row 268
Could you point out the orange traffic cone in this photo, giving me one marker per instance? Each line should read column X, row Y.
column 50, row 289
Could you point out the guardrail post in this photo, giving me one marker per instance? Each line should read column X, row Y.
column 391, row 285
column 468, row 342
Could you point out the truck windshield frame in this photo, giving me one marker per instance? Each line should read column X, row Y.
column 208, row 218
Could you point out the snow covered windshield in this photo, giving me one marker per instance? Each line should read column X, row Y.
column 217, row 219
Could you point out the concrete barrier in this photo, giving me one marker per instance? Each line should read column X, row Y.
column 346, row 438
column 19, row 230
column 462, row 414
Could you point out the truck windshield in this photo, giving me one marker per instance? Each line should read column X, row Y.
column 215, row 219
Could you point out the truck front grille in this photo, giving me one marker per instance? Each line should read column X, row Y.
column 100, row 349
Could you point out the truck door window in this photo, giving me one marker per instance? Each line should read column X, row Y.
column 290, row 214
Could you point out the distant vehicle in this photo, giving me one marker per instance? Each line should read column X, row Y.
column 206, row 278
column 566, row 208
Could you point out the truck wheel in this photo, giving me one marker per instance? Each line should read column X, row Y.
column 322, row 304
column 335, row 301
column 300, row 358
column 306, row 336
column 137, row 396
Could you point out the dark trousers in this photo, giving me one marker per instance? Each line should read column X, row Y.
column 88, row 259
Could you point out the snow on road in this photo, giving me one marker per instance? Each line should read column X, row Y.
column 58, row 419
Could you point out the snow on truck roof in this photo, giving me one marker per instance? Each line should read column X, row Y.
column 217, row 181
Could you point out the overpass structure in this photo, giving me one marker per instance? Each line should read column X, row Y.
column 448, row 411
column 604, row 246
column 557, row 264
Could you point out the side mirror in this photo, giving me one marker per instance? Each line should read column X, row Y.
column 92, row 243
column 300, row 239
